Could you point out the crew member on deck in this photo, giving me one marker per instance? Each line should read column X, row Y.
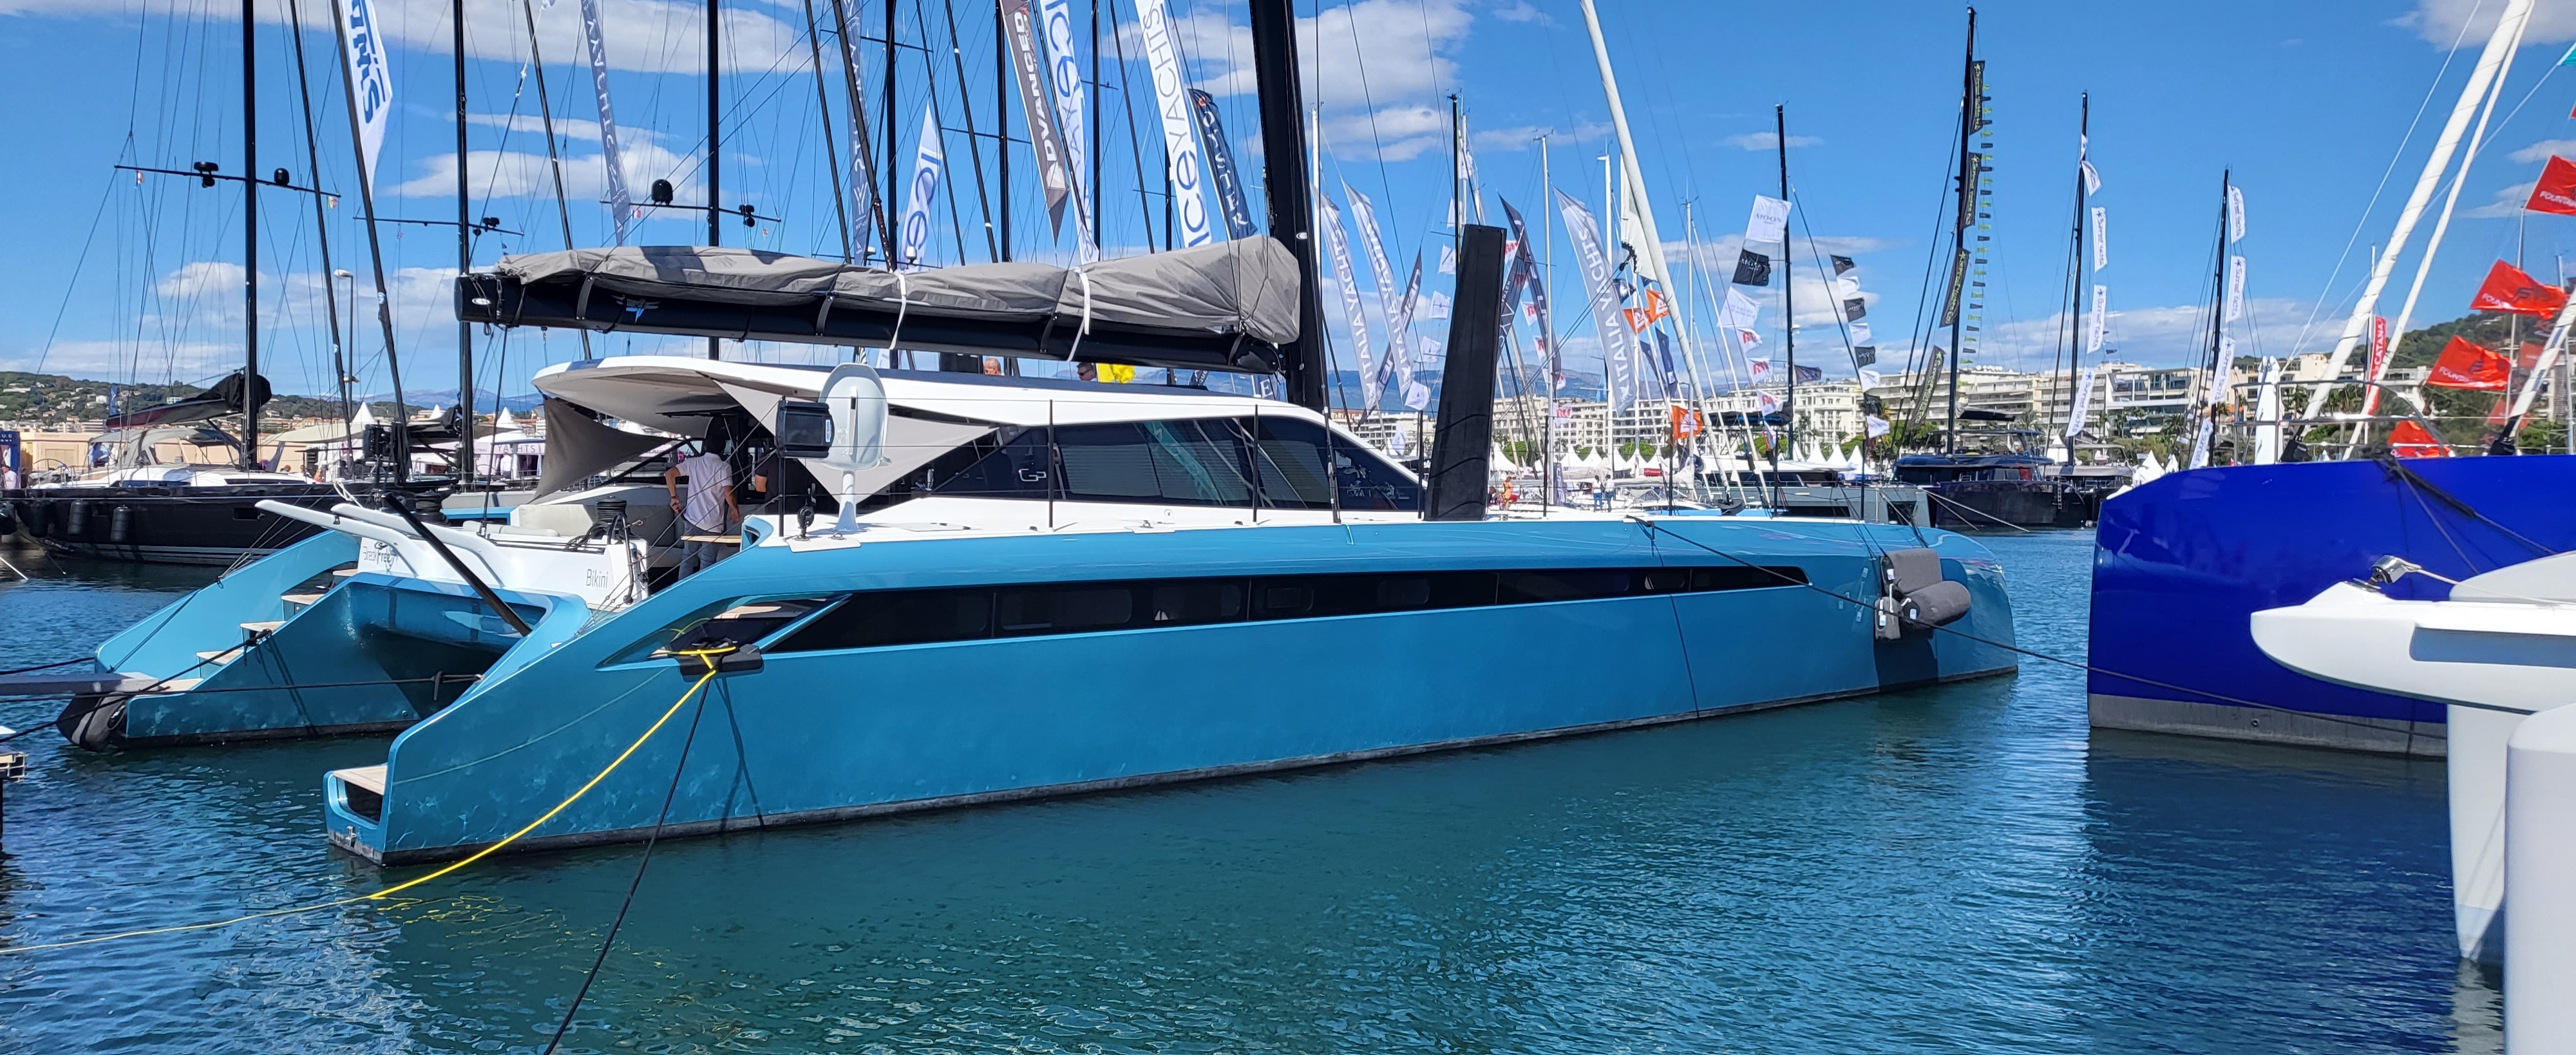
column 707, row 508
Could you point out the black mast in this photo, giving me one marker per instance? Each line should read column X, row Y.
column 401, row 425
column 1283, row 163
column 2075, row 287
column 2217, row 319
column 1001, row 127
column 1968, row 116
column 321, row 222
column 715, row 142
column 464, row 265
column 1788, row 280
column 250, row 235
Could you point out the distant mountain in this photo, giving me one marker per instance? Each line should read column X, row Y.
column 485, row 400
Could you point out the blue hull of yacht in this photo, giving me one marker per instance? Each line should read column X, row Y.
column 822, row 735
column 2180, row 565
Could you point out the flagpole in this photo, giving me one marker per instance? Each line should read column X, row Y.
column 1547, row 356
column 250, row 234
column 1788, row 278
column 464, row 264
column 715, row 144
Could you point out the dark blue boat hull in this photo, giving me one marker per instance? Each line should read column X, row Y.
column 2181, row 564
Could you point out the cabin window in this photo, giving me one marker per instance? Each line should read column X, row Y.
column 1193, row 462
column 918, row 617
column 739, row 622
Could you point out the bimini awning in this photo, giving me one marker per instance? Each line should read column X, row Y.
column 1229, row 306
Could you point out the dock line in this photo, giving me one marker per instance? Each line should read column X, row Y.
column 707, row 656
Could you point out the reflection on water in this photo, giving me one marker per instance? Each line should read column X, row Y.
column 1960, row 867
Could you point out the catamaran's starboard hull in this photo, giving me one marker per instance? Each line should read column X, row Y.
column 2181, row 563
column 833, row 734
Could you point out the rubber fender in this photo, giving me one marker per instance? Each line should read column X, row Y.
column 93, row 723
column 1909, row 570
column 120, row 524
column 76, row 520
column 1936, row 605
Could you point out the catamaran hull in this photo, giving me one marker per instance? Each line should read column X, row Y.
column 2181, row 564
column 163, row 525
column 830, row 735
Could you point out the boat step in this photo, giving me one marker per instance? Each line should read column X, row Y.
column 255, row 629
column 343, row 573
column 371, row 778
column 300, row 600
column 222, row 655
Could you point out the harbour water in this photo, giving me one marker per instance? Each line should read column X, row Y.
column 1957, row 868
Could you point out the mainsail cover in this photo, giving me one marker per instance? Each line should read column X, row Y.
column 1192, row 305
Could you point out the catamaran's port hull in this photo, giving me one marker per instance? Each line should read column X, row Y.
column 829, row 735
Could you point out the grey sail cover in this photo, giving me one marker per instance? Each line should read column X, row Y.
column 1247, row 286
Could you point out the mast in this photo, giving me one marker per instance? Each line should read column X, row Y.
column 2500, row 46
column 1651, row 252
column 554, row 158
column 2075, row 278
column 250, row 235
column 401, row 425
column 1959, row 230
column 822, row 106
column 464, row 263
column 1547, row 356
column 715, row 140
column 1283, row 165
column 1001, row 127
column 1788, row 279
column 2202, row 437
column 321, row 222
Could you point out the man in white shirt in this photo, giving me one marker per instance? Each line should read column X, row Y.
column 706, row 509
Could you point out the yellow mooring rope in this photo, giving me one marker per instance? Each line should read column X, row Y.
column 708, row 656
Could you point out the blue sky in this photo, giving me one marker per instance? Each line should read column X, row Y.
column 2307, row 104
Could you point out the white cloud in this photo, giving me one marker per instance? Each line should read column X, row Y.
column 654, row 36
column 1768, row 141
column 2508, row 202
column 2441, row 22
column 1521, row 11
column 524, row 174
column 2543, row 150
column 1375, row 67
column 1525, row 137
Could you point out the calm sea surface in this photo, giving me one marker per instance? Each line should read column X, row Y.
column 1954, row 869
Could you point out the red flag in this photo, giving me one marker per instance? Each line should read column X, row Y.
column 2465, row 365
column 2556, row 191
column 1685, row 424
column 2508, row 289
column 2411, row 440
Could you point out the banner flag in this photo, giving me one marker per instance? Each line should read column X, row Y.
column 2200, row 445
column 1748, row 339
column 863, row 169
column 1769, row 222
column 1222, row 172
column 1364, row 213
column 2556, row 191
column 2235, row 214
column 1842, row 264
column 1766, row 403
column 1958, row 285
column 1876, row 426
column 2235, row 288
column 1435, row 306
column 2411, row 439
column 1399, row 350
column 1865, row 355
column 2083, row 403
column 1618, row 345
column 1808, row 375
column 2508, row 289
column 1752, row 269
column 2378, row 363
column 2101, row 238
column 1854, row 309
column 2092, row 179
column 928, row 160
column 1846, row 287
column 371, row 87
column 2098, row 328
column 1757, row 369
column 1039, row 108
column 1417, row 396
column 1537, row 297
column 1180, row 149
column 1740, row 310
column 1338, row 244
column 2471, row 366
column 1860, row 333
column 1064, row 73
column 1869, row 379
column 1449, row 261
